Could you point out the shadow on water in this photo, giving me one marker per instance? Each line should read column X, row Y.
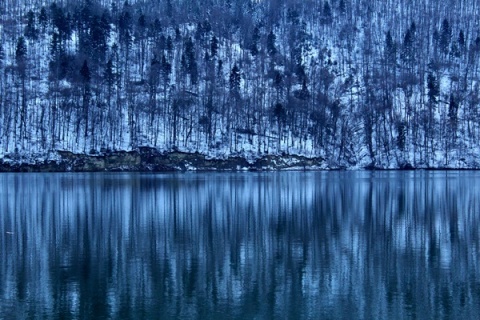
column 312, row 245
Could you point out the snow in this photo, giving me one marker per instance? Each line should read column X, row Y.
column 343, row 57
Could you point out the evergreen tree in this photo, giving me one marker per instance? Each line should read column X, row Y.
column 142, row 24
column 190, row 61
column 453, row 111
column 342, row 8
column 99, row 33
column 31, row 31
column 461, row 42
column 199, row 31
column 254, row 42
column 2, row 55
column 220, row 68
column 155, row 29
column 279, row 112
column 413, row 28
column 20, row 56
column 125, row 26
column 271, row 39
column 390, row 49
column 155, row 67
column 408, row 50
column 184, row 64
column 304, row 93
column 169, row 45
column 166, row 70
column 445, row 36
column 55, row 45
column 85, row 73
column 161, row 42
column 169, row 9
column 461, row 39
column 178, row 34
column 109, row 73
column 433, row 89
column 235, row 79
column 61, row 22
column 43, row 18
column 278, row 80
column 300, row 71
column 59, row 61
column 214, row 47
column 327, row 13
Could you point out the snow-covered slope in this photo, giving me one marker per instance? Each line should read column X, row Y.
column 384, row 84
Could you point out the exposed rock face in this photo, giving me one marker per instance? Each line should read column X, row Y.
column 147, row 159
column 150, row 159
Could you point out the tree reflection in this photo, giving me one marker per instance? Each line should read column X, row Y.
column 296, row 245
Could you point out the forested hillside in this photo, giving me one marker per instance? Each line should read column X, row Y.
column 386, row 83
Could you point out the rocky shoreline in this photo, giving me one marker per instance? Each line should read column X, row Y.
column 151, row 160
column 146, row 159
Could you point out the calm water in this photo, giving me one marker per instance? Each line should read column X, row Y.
column 338, row 245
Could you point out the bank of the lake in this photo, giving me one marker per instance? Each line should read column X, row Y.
column 152, row 160
column 146, row 159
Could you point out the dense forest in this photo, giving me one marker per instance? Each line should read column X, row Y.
column 356, row 82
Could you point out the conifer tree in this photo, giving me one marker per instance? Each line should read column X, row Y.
column 2, row 55
column 31, row 31
column 214, row 47
column 271, row 48
column 254, row 41
column 327, row 13
column 43, row 19
column 445, row 36
column 390, row 49
column 235, row 78
column 190, row 61
column 20, row 56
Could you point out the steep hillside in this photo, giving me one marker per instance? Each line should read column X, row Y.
column 357, row 83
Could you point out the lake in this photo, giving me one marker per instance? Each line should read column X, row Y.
column 278, row 245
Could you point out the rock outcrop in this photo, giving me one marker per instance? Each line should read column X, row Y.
column 151, row 160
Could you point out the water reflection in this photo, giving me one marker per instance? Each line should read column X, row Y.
column 360, row 245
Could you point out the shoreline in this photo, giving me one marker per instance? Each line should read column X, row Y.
column 147, row 159
column 151, row 160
